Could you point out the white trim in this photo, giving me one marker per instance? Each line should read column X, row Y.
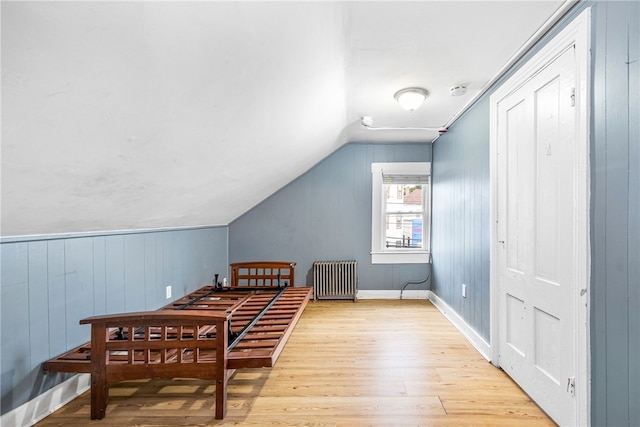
column 58, row 236
column 48, row 402
column 400, row 258
column 379, row 254
column 479, row 343
column 578, row 33
column 393, row 294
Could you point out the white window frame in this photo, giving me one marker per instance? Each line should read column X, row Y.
column 380, row 254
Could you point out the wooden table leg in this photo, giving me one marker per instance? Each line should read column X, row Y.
column 99, row 385
column 222, row 340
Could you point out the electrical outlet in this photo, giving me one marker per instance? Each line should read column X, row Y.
column 168, row 290
column 464, row 290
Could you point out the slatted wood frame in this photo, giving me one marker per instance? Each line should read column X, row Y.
column 181, row 340
column 262, row 273
column 160, row 344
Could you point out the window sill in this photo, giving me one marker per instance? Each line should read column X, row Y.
column 400, row 257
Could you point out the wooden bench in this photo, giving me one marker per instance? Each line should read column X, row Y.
column 256, row 315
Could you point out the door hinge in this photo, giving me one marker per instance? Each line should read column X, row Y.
column 571, row 386
column 573, row 96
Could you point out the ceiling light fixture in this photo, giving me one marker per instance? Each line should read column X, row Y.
column 411, row 98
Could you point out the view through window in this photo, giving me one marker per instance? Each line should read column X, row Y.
column 400, row 212
column 404, row 212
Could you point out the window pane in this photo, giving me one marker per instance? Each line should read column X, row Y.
column 408, row 236
column 403, row 198
column 404, row 207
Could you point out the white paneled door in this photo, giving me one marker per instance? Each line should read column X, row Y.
column 536, row 232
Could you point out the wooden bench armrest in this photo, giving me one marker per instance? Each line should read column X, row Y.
column 158, row 318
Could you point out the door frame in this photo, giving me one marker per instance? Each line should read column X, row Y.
column 577, row 33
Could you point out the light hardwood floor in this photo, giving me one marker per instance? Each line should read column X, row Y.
column 369, row 363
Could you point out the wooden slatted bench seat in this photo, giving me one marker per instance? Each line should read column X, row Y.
column 257, row 314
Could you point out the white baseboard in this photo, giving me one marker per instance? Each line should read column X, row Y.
column 51, row 400
column 483, row 347
column 391, row 294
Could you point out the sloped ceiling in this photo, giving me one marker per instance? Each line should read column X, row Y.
column 137, row 115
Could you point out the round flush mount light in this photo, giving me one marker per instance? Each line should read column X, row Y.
column 411, row 98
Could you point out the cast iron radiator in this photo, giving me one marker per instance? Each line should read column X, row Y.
column 335, row 280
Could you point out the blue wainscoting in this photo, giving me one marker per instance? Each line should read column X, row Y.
column 615, row 214
column 48, row 284
column 460, row 229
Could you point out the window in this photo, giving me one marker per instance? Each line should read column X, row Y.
column 401, row 194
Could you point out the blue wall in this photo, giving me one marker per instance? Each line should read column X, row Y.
column 615, row 214
column 460, row 223
column 461, row 206
column 49, row 284
column 325, row 214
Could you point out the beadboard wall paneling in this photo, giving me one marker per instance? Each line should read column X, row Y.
column 49, row 284
column 615, row 215
column 460, row 239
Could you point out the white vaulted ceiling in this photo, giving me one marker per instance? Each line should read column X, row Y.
column 136, row 115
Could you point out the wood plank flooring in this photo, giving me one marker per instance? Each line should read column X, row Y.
column 369, row 363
